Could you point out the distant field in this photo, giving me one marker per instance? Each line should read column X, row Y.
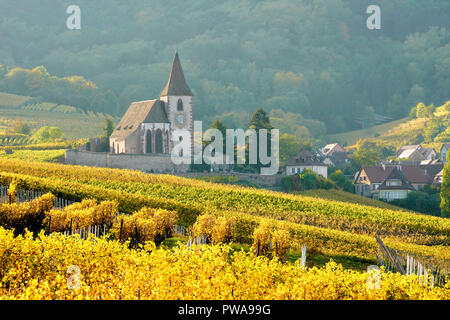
column 75, row 123
column 351, row 137
column 8, row 100
column 75, row 126
column 396, row 133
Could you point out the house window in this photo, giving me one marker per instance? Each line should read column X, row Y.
column 293, row 170
column 149, row 142
column 180, row 105
column 158, row 141
column 393, row 183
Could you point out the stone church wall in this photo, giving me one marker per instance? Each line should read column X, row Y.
column 142, row 162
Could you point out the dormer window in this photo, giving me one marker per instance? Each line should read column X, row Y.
column 393, row 183
column 130, row 127
column 180, row 105
column 118, row 128
column 125, row 128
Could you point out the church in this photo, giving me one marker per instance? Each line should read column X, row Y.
column 147, row 126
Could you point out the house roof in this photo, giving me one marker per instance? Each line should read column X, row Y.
column 338, row 158
column 305, row 158
column 176, row 85
column 431, row 170
column 330, row 147
column 396, row 174
column 405, row 154
column 148, row 111
column 375, row 174
column 414, row 174
column 409, row 147
column 427, row 152
column 446, row 145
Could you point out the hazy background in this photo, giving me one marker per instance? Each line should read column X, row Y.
column 314, row 58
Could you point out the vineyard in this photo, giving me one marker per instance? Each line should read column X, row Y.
column 37, row 269
column 132, row 208
column 49, row 155
column 205, row 197
column 326, row 226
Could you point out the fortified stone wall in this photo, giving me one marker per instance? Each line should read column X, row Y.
column 142, row 162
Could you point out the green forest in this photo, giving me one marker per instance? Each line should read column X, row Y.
column 310, row 61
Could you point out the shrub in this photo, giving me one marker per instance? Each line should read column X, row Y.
column 145, row 225
column 28, row 215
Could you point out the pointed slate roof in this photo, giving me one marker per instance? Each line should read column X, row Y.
column 176, row 85
column 148, row 111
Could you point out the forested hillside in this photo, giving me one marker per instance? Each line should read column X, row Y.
column 314, row 58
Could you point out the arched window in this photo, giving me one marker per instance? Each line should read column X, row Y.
column 158, row 141
column 149, row 142
column 180, row 105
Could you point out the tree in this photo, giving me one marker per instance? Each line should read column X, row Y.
column 289, row 146
column 21, row 127
column 421, row 110
column 260, row 120
column 217, row 124
column 341, row 181
column 367, row 153
column 108, row 128
column 445, row 190
column 433, row 128
column 48, row 134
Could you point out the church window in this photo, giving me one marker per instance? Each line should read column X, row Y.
column 180, row 105
column 158, row 141
column 149, row 142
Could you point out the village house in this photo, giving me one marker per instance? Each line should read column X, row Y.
column 416, row 154
column 438, row 178
column 411, row 153
column 429, row 153
column 306, row 160
column 369, row 179
column 337, row 159
column 395, row 186
column 329, row 149
column 409, row 147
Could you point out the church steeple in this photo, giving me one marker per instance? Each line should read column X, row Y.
column 176, row 86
